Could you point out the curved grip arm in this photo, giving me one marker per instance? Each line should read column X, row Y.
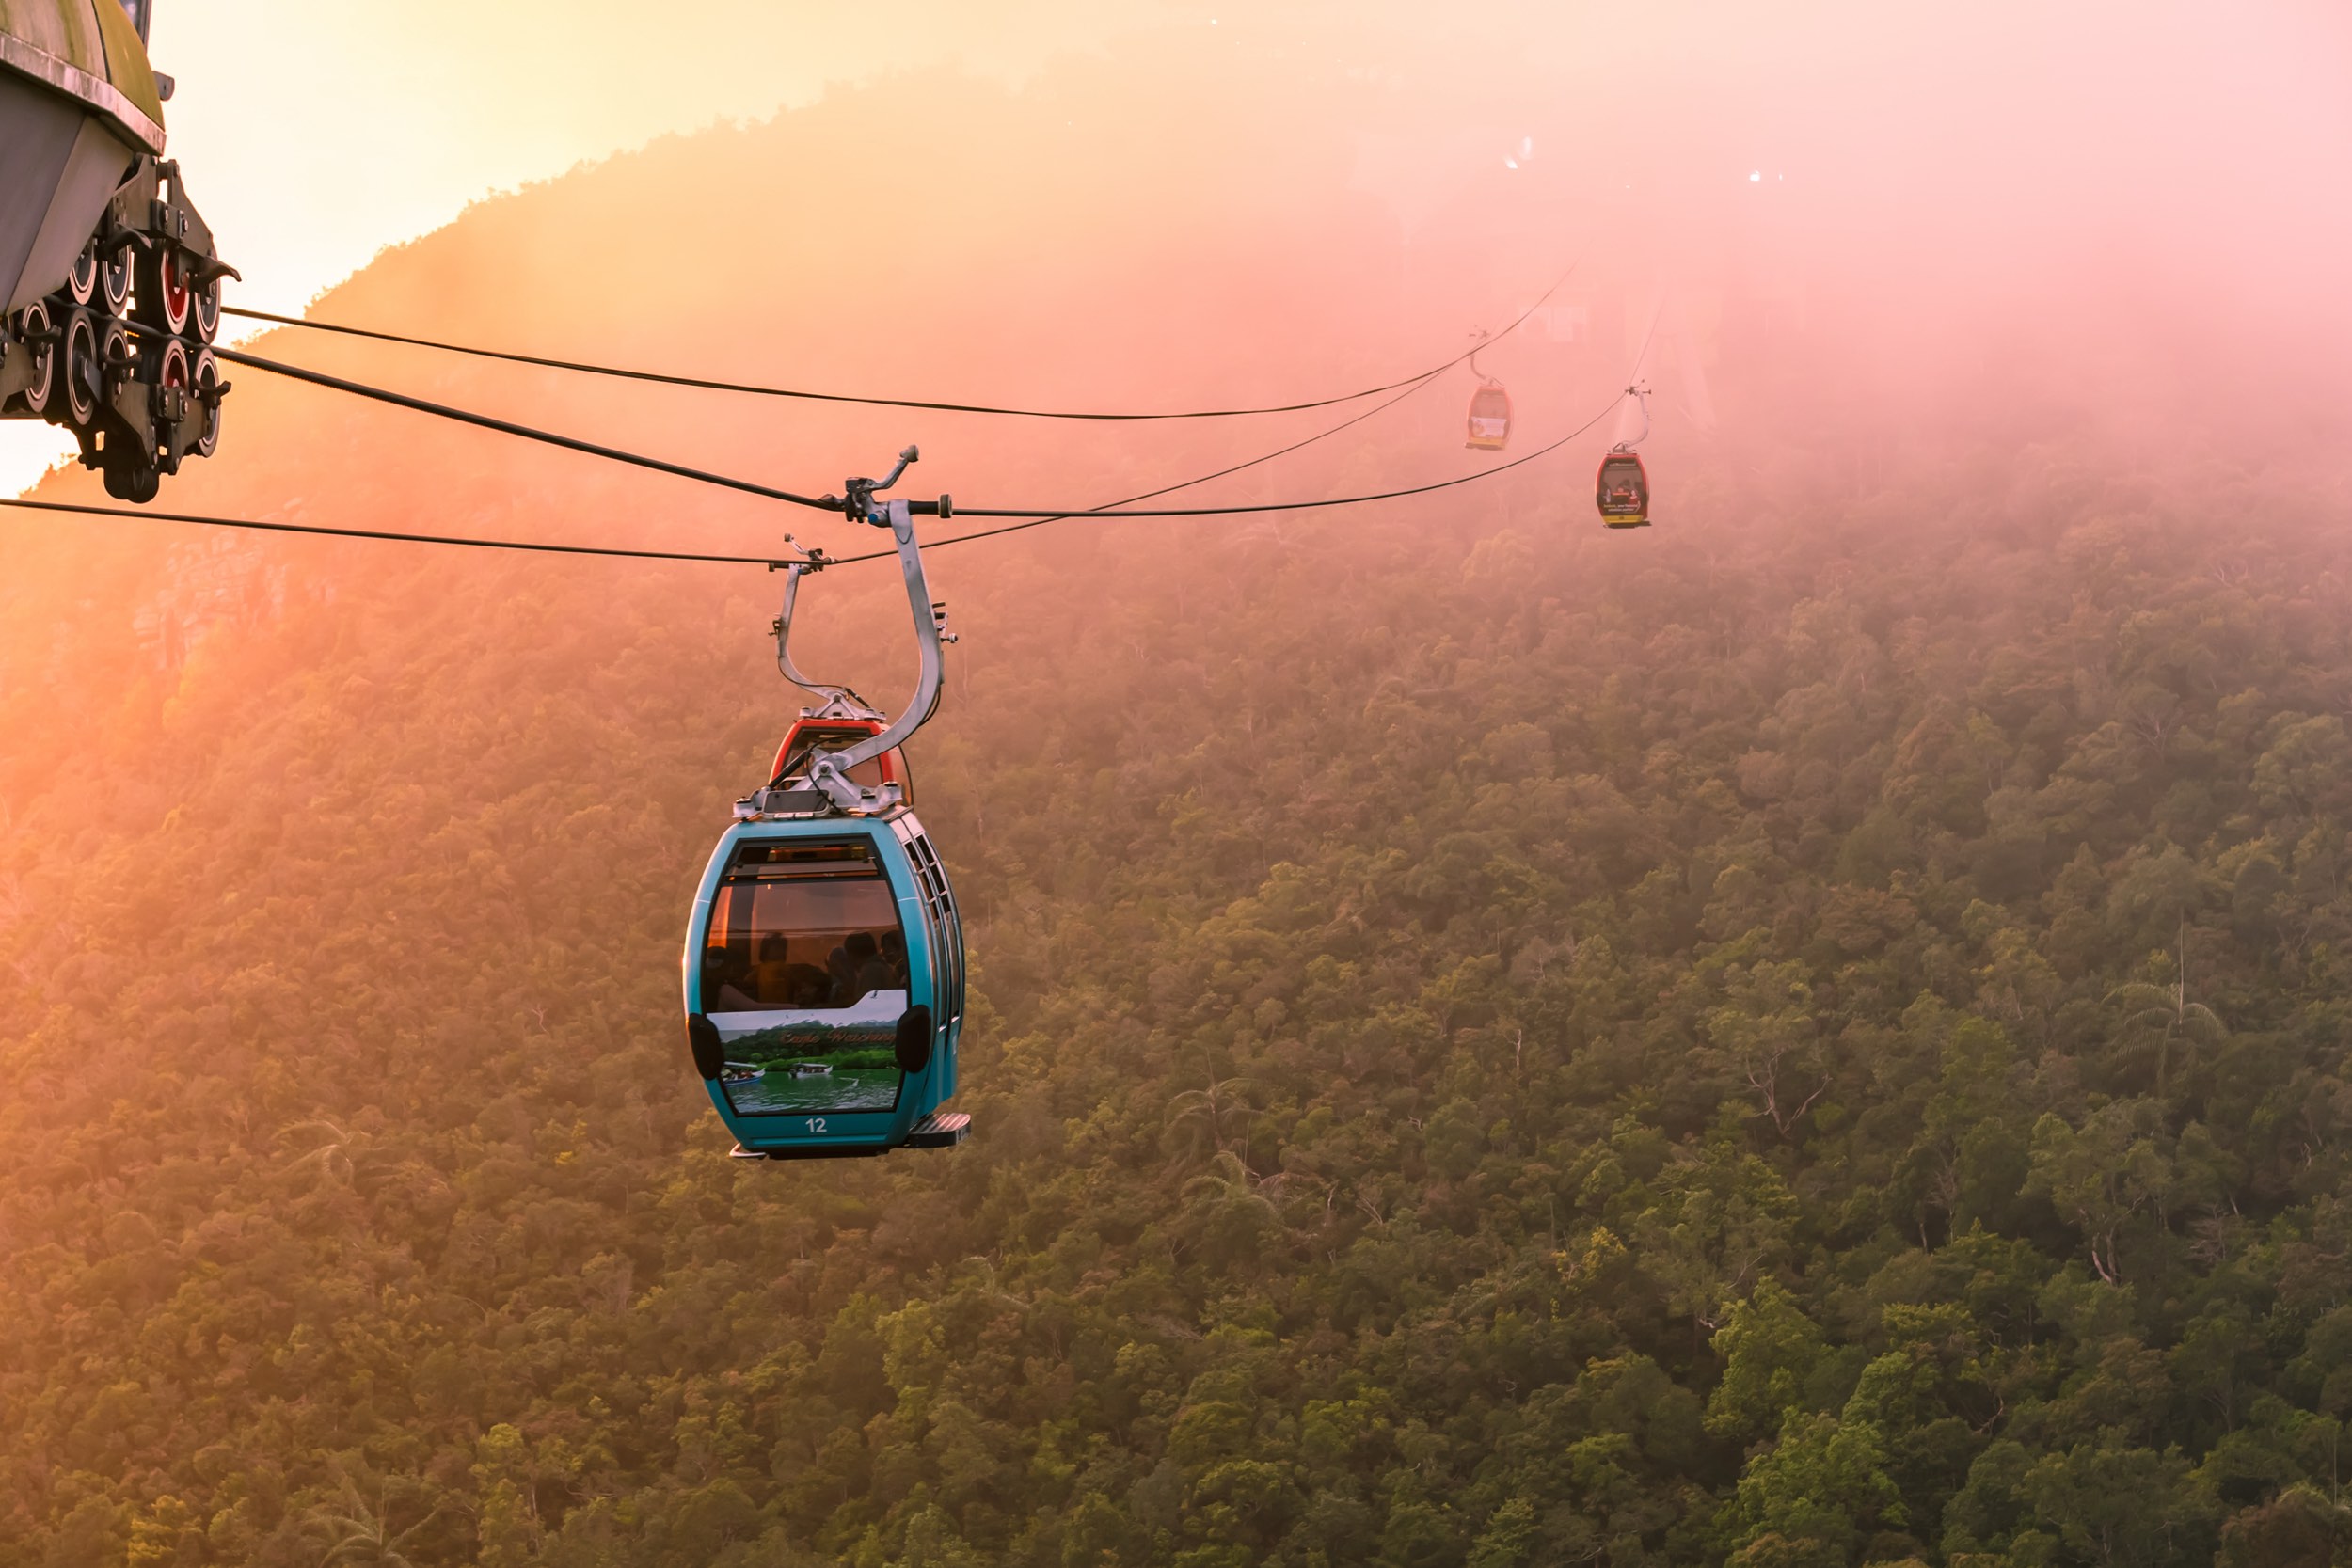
column 829, row 772
column 792, row 574
column 1641, row 399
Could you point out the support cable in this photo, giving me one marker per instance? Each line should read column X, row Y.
column 1032, row 517
column 1043, row 514
column 1121, row 509
column 508, row 427
column 659, row 378
column 477, row 543
column 773, row 565
column 459, row 539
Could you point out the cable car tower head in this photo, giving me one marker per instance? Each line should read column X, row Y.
column 825, row 957
column 109, row 278
column 1622, row 487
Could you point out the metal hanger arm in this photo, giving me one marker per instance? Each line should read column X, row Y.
column 824, row 689
column 829, row 771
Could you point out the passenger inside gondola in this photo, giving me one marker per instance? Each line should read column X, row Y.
column 782, row 904
column 852, row 966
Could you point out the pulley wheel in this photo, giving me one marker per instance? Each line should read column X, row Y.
column 132, row 480
column 116, row 356
column 172, row 375
column 114, row 282
column 33, row 323
column 207, row 381
column 208, row 310
column 165, row 298
column 82, row 282
column 179, row 298
column 84, row 373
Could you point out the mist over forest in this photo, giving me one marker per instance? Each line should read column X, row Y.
column 1811, row 1034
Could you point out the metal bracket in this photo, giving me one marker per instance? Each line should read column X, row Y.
column 828, row 786
column 1484, row 379
column 1640, row 394
column 835, row 701
column 829, row 772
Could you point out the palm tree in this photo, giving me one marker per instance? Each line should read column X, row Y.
column 1228, row 1194
column 357, row 1533
column 330, row 1158
column 2167, row 1013
column 1204, row 1110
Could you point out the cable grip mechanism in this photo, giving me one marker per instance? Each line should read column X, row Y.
column 856, row 501
column 828, row 785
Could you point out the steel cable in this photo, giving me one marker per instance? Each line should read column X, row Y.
column 662, row 378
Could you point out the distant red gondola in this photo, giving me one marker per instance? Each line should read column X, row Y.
column 1621, row 490
column 1489, row 418
column 1489, row 408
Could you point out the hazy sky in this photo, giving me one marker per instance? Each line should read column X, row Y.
column 2124, row 165
column 313, row 135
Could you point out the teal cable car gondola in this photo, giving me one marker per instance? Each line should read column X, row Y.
column 824, row 970
column 825, row 997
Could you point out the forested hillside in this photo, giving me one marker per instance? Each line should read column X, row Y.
column 1813, row 1035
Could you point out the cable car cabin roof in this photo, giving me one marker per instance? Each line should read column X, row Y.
column 88, row 50
column 1621, row 489
column 78, row 106
column 824, row 987
column 807, row 734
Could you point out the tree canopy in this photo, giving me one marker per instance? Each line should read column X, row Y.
column 1812, row 1035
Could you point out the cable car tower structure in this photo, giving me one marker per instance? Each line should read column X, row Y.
column 109, row 278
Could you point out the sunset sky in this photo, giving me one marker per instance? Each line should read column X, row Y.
column 1995, row 150
column 314, row 135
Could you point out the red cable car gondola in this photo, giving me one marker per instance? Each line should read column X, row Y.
column 1490, row 422
column 1621, row 490
column 1489, row 418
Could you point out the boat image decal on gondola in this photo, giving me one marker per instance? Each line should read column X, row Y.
column 786, row 1061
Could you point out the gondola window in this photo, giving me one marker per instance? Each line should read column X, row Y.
column 804, row 973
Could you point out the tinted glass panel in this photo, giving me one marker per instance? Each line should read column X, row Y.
column 804, row 973
column 1621, row 485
